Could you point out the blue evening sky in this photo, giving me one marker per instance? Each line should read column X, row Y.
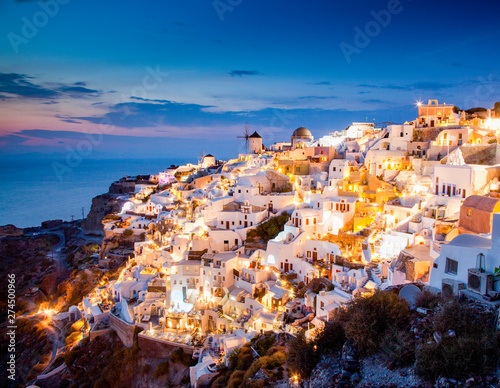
column 159, row 78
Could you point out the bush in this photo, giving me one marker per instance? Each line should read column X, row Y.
column 236, row 379
column 178, row 356
column 456, row 358
column 302, row 357
column 332, row 338
column 70, row 358
column 398, row 349
column 263, row 343
column 162, row 369
column 128, row 232
column 245, row 358
column 268, row 230
column 473, row 351
column 427, row 300
column 369, row 319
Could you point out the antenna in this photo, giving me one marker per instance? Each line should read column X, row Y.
column 246, row 136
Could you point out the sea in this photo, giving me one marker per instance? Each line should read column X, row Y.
column 36, row 190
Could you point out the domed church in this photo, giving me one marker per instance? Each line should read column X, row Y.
column 301, row 137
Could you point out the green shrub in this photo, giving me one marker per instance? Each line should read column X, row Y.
column 302, row 357
column 179, row 356
column 427, row 299
column 268, row 230
column 367, row 320
column 128, row 232
column 332, row 338
column 456, row 358
column 245, row 358
column 162, row 369
column 236, row 379
column 460, row 318
column 256, row 365
column 398, row 349
column 263, row 343
column 474, row 350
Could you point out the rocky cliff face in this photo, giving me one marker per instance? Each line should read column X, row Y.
column 102, row 205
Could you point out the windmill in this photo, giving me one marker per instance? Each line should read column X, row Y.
column 201, row 156
column 246, row 136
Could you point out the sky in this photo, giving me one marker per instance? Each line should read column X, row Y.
column 108, row 79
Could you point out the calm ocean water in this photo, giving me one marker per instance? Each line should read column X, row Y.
column 31, row 191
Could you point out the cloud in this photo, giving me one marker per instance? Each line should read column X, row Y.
column 23, row 86
column 19, row 85
column 77, row 89
column 373, row 101
column 321, row 83
column 317, row 97
column 421, row 85
column 241, row 73
column 71, row 121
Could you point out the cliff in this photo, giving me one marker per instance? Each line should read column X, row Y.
column 102, row 205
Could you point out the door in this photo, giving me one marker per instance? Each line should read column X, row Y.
column 270, row 207
column 286, row 267
column 448, row 191
column 315, row 256
column 246, row 224
column 227, row 224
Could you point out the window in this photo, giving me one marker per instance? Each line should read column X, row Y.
column 469, row 212
column 334, row 169
column 451, row 266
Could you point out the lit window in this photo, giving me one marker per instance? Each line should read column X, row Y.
column 469, row 212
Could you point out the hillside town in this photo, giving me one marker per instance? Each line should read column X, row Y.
column 281, row 237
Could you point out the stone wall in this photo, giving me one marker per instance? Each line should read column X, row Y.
column 157, row 348
column 124, row 330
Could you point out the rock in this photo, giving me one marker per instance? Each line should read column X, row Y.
column 437, row 338
column 350, row 358
column 102, row 205
column 422, row 310
column 451, row 333
column 10, row 230
column 51, row 224
column 355, row 378
column 443, row 382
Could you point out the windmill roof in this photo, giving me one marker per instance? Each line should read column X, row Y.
column 255, row 135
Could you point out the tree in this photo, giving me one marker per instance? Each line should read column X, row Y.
column 302, row 357
column 497, row 108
